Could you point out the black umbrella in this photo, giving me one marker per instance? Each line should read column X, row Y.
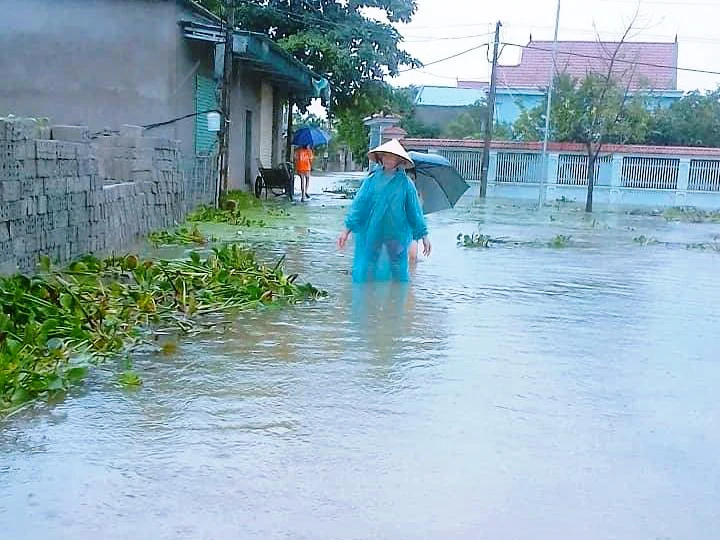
column 439, row 184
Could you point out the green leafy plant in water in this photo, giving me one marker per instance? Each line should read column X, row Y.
column 474, row 240
column 96, row 308
column 644, row 240
column 178, row 236
column 691, row 215
column 210, row 214
column 130, row 379
column 560, row 241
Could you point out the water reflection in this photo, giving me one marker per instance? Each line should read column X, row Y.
column 515, row 392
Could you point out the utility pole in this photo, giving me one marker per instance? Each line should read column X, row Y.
column 225, row 106
column 543, row 176
column 490, row 113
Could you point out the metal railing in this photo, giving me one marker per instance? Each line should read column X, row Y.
column 573, row 170
column 467, row 163
column 650, row 173
column 520, row 167
column 704, row 175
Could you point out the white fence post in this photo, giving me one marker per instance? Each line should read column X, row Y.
column 682, row 181
column 553, row 163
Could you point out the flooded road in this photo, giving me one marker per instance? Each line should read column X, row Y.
column 517, row 392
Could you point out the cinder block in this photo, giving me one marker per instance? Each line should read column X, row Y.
column 70, row 133
column 11, row 191
column 66, row 150
column 46, row 149
column 12, row 211
column 55, row 186
column 68, row 167
column 4, row 231
column 47, row 168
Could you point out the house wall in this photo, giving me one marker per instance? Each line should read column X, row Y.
column 132, row 65
column 245, row 96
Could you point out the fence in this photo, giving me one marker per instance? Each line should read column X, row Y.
column 467, row 163
column 650, row 173
column 704, row 175
column 523, row 167
column 573, row 170
column 625, row 175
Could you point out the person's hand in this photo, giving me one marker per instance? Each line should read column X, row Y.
column 427, row 246
column 342, row 240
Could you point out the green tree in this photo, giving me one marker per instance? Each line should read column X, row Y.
column 335, row 38
column 694, row 120
column 469, row 124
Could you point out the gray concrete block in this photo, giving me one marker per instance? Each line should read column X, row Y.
column 78, row 134
column 57, row 203
column 67, row 150
column 55, row 186
column 12, row 211
column 10, row 191
column 67, row 167
column 4, row 231
column 47, row 168
column 46, row 149
column 41, row 206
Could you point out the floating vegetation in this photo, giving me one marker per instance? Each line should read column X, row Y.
column 241, row 209
column 475, row 240
column 55, row 325
column 560, row 241
column 645, row 240
column 704, row 246
column 690, row 214
column 345, row 193
column 179, row 236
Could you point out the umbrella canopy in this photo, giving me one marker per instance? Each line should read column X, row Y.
column 439, row 184
column 310, row 136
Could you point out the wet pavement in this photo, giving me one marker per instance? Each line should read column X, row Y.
column 517, row 392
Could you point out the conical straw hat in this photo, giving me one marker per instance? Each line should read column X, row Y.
column 392, row 147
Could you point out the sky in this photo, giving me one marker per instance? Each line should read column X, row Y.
column 441, row 28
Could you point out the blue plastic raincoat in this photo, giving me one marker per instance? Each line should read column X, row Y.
column 385, row 217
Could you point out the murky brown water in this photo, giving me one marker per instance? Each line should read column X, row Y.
column 519, row 392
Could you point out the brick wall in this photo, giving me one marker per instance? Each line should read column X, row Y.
column 63, row 194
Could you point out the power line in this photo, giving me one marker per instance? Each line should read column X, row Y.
column 617, row 60
column 439, row 60
column 431, row 39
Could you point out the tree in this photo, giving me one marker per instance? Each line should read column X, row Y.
column 469, row 124
column 333, row 38
column 694, row 120
column 593, row 111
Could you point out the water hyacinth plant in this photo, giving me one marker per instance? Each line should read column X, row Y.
column 97, row 308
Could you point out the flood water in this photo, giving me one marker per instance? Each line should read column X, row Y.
column 519, row 392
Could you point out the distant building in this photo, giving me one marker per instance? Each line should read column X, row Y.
column 647, row 67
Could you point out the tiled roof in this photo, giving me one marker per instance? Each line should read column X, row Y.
column 577, row 58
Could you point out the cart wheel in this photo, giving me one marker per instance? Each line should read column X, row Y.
column 258, row 186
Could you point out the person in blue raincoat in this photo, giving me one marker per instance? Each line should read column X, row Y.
column 385, row 217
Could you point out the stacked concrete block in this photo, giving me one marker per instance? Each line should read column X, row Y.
column 63, row 194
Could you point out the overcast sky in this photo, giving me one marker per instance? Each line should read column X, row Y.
column 695, row 22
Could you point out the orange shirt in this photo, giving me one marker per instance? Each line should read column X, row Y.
column 303, row 160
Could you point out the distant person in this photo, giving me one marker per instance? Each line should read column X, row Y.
column 303, row 166
column 386, row 217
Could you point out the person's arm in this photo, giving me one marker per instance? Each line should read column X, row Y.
column 416, row 219
column 359, row 211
